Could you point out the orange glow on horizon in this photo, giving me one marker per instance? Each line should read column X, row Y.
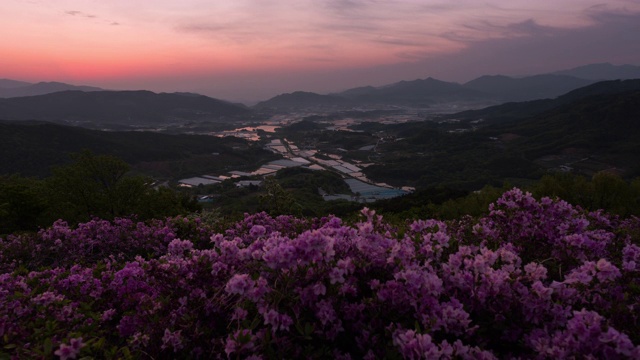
column 99, row 66
column 220, row 44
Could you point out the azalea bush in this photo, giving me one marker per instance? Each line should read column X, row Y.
column 533, row 279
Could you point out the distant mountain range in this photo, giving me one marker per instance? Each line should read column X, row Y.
column 603, row 71
column 118, row 107
column 430, row 91
column 521, row 110
column 301, row 99
column 485, row 89
column 416, row 92
column 11, row 84
column 528, row 88
column 13, row 88
column 59, row 102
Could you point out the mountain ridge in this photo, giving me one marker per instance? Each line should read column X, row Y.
column 527, row 88
column 10, row 84
column 518, row 110
column 490, row 88
column 603, row 71
column 412, row 93
column 13, row 88
column 118, row 107
column 301, row 99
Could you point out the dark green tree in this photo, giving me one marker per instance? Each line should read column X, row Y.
column 93, row 185
column 611, row 192
column 276, row 200
column 100, row 186
column 23, row 203
column 605, row 191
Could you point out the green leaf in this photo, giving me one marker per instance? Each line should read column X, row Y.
column 48, row 346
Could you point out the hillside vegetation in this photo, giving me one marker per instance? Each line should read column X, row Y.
column 589, row 135
column 119, row 107
column 32, row 148
column 532, row 279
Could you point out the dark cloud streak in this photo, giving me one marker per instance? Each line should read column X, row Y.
column 613, row 37
column 80, row 13
column 396, row 41
column 533, row 49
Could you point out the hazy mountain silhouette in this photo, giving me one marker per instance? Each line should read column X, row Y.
column 301, row 99
column 603, row 71
column 527, row 88
column 421, row 92
column 491, row 88
column 405, row 93
column 520, row 110
column 142, row 106
column 11, row 84
column 118, row 107
column 609, row 87
column 14, row 88
column 355, row 92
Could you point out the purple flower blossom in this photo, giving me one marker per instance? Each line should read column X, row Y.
column 239, row 284
column 70, row 351
column 536, row 271
column 172, row 340
column 413, row 345
column 606, row 271
column 178, row 247
column 631, row 257
column 277, row 321
column 325, row 312
column 240, row 342
column 257, row 231
column 47, row 298
column 108, row 314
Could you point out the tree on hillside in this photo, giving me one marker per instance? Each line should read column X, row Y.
column 276, row 200
column 94, row 185
column 605, row 191
column 22, row 203
column 99, row 186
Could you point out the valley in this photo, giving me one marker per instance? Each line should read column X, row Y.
column 361, row 150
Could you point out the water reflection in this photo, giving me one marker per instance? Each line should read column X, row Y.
column 248, row 132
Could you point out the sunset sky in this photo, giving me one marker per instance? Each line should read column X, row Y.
column 247, row 50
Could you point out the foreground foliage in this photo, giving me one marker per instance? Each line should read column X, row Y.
column 533, row 279
column 92, row 186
